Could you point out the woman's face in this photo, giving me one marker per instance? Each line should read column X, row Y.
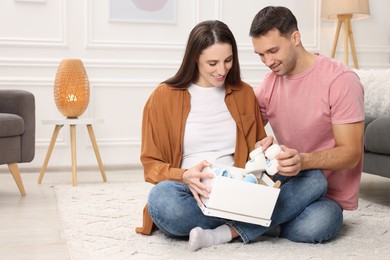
column 214, row 64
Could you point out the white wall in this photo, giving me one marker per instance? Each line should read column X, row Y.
column 126, row 60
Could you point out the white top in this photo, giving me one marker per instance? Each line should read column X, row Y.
column 73, row 121
column 210, row 131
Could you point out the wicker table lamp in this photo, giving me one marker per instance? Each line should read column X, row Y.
column 71, row 88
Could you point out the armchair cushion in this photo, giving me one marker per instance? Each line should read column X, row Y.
column 11, row 125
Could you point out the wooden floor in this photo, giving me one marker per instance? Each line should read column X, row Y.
column 31, row 227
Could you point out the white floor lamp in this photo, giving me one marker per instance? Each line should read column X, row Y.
column 344, row 11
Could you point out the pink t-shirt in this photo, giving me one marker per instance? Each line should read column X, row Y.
column 301, row 110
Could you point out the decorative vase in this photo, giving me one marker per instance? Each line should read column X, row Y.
column 71, row 88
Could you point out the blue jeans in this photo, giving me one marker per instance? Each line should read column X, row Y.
column 301, row 210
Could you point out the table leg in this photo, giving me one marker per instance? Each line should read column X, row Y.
column 49, row 151
column 95, row 148
column 73, row 149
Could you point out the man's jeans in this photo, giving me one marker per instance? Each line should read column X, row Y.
column 302, row 211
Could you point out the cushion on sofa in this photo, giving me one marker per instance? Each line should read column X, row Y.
column 377, row 137
column 367, row 121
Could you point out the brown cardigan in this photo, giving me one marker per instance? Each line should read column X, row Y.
column 163, row 124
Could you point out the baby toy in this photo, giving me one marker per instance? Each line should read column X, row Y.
column 224, row 172
column 261, row 162
column 255, row 168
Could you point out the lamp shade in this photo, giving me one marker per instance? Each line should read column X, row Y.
column 71, row 88
column 360, row 9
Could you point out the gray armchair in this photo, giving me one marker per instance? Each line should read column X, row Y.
column 377, row 146
column 17, row 131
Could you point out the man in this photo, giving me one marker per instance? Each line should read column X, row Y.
column 315, row 107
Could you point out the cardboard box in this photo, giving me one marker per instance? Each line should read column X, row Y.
column 239, row 200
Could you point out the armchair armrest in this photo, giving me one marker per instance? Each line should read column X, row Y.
column 21, row 103
column 376, row 137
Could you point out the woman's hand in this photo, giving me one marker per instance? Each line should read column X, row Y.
column 265, row 142
column 192, row 178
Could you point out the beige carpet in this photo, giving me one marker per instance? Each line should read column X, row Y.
column 99, row 222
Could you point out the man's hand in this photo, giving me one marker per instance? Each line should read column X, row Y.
column 290, row 163
column 289, row 160
column 265, row 142
column 192, row 178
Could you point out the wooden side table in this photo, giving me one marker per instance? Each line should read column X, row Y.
column 59, row 123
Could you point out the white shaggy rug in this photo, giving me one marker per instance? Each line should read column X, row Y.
column 99, row 222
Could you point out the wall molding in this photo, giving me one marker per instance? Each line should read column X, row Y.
column 316, row 46
column 39, row 43
column 11, row 62
column 60, row 42
column 119, row 142
column 106, row 64
column 26, row 82
column 64, row 142
column 370, row 49
column 219, row 9
column 29, row 82
column 92, row 43
column 63, row 138
column 28, row 169
column 53, row 64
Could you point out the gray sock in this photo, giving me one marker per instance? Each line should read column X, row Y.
column 200, row 238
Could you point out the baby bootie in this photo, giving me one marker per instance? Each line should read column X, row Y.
column 256, row 165
column 271, row 163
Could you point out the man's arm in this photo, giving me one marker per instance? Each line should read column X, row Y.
column 346, row 154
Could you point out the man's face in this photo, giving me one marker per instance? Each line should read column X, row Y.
column 276, row 52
